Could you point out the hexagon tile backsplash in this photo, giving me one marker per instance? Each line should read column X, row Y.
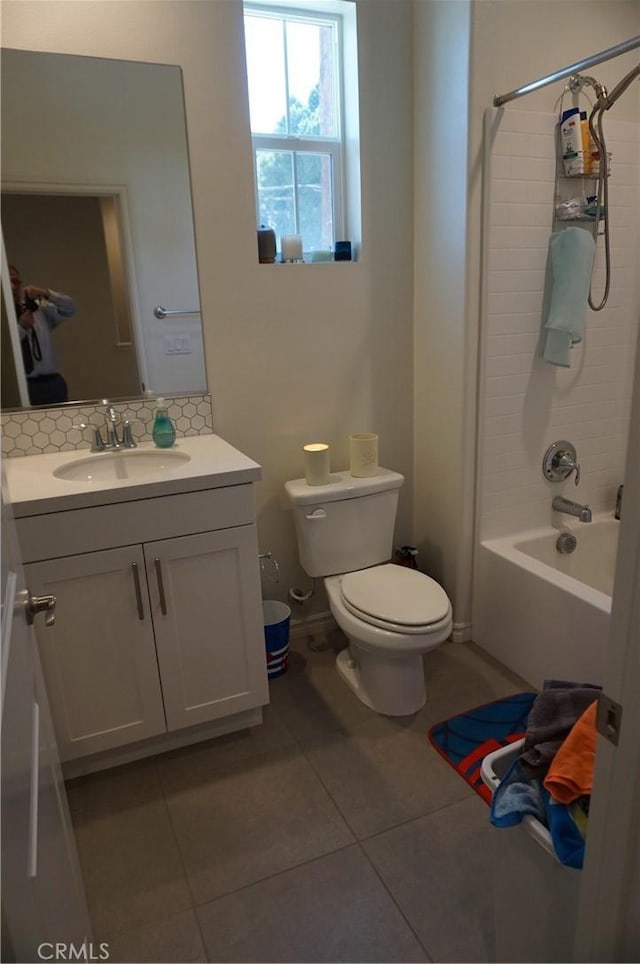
column 35, row 431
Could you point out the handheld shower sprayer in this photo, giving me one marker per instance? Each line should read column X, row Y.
column 604, row 101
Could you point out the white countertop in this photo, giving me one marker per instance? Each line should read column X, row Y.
column 35, row 490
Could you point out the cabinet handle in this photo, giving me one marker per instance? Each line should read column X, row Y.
column 136, row 583
column 163, row 601
column 39, row 604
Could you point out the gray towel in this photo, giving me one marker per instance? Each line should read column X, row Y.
column 552, row 716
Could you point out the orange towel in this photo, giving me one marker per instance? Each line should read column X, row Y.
column 571, row 772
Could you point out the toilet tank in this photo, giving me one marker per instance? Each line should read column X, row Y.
column 347, row 524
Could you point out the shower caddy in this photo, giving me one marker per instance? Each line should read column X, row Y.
column 583, row 190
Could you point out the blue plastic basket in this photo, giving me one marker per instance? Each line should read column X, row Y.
column 277, row 617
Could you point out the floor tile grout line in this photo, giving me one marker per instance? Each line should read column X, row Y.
column 395, row 902
column 277, row 873
column 468, row 794
column 196, row 905
column 183, row 865
column 380, row 876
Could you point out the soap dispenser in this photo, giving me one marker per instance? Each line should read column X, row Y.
column 163, row 433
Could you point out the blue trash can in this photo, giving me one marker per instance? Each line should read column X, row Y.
column 277, row 616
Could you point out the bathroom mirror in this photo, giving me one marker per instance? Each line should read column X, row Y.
column 96, row 203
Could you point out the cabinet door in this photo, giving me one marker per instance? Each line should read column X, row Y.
column 99, row 658
column 207, row 615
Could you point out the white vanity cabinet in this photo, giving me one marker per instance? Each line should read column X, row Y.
column 158, row 639
column 149, row 637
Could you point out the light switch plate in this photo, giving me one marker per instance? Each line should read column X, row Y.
column 177, row 345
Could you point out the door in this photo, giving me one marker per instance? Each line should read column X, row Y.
column 42, row 894
column 207, row 615
column 99, row 659
column 609, row 915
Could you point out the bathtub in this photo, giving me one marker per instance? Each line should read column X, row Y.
column 543, row 614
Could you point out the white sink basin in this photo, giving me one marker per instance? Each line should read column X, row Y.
column 129, row 464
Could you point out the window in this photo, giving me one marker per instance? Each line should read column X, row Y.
column 294, row 68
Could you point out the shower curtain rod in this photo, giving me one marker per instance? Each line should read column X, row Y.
column 600, row 58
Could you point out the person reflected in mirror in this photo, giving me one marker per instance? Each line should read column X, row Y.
column 39, row 311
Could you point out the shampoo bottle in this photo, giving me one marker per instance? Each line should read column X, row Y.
column 163, row 433
column 571, row 140
column 587, row 142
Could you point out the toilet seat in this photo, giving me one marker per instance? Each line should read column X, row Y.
column 397, row 599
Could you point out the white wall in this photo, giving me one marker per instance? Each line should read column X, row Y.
column 443, row 496
column 526, row 403
column 293, row 353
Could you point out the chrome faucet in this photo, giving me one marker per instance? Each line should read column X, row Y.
column 113, row 442
column 582, row 512
column 97, row 444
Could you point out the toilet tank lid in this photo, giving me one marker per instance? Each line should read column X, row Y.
column 342, row 485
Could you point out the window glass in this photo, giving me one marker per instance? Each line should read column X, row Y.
column 315, row 207
column 264, row 40
column 311, row 70
column 294, row 70
column 276, row 195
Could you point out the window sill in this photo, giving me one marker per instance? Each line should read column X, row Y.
column 305, row 262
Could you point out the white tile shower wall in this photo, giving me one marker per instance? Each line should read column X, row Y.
column 525, row 403
column 34, row 431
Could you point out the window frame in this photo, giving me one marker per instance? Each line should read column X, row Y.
column 314, row 144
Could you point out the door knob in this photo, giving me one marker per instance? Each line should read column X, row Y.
column 39, row 604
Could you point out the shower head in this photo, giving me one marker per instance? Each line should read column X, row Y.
column 578, row 81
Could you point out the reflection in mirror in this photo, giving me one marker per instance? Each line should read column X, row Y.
column 96, row 204
column 8, row 374
column 94, row 350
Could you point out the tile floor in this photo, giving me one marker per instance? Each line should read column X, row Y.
column 329, row 833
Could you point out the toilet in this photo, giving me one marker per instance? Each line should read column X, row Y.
column 391, row 615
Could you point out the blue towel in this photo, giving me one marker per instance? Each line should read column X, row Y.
column 566, row 836
column 517, row 796
column 571, row 254
column 514, row 797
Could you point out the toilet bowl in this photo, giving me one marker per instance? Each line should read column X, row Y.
column 390, row 614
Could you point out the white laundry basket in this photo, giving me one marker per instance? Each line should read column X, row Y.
column 536, row 897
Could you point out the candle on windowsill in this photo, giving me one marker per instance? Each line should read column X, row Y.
column 316, row 463
column 291, row 247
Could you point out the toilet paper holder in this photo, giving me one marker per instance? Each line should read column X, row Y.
column 269, row 557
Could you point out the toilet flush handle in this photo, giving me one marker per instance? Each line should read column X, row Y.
column 317, row 514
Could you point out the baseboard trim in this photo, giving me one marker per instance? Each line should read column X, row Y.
column 160, row 744
column 461, row 633
column 316, row 623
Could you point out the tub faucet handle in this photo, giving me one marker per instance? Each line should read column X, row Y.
column 568, row 464
column 618, row 511
column 559, row 461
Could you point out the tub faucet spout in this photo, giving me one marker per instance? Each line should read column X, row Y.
column 582, row 512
